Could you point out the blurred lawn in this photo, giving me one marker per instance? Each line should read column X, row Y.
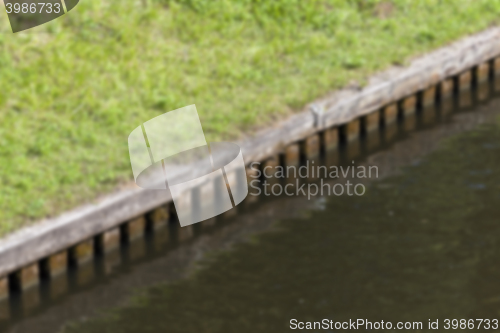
column 72, row 92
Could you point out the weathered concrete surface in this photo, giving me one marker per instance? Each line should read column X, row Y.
column 53, row 235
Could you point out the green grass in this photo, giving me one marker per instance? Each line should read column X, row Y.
column 72, row 92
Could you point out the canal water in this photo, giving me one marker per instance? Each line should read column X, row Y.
column 423, row 243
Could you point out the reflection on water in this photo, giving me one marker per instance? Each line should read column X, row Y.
column 422, row 243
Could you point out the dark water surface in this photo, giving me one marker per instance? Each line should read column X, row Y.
column 422, row 243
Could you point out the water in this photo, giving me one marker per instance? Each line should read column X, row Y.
column 422, row 244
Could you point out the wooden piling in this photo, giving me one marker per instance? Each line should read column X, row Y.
column 372, row 122
column 390, row 114
column 429, row 96
column 292, row 154
column 352, row 130
column 27, row 277
column 446, row 88
column 409, row 105
column 83, row 252
column 331, row 138
column 496, row 66
column 465, row 80
column 311, row 146
column 4, row 288
column 483, row 72
column 134, row 229
column 159, row 217
column 55, row 265
column 109, row 241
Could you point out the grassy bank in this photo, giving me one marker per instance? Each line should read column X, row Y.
column 72, row 92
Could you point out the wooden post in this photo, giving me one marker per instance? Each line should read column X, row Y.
column 496, row 66
column 27, row 277
column 409, row 105
column 109, row 240
column 331, row 138
column 135, row 228
column 446, row 88
column 292, row 154
column 351, row 130
column 159, row 217
column 372, row 122
column 82, row 252
column 312, row 146
column 56, row 264
column 483, row 72
column 429, row 96
column 465, row 80
column 390, row 114
column 4, row 288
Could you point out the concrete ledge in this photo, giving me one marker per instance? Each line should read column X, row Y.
column 51, row 236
